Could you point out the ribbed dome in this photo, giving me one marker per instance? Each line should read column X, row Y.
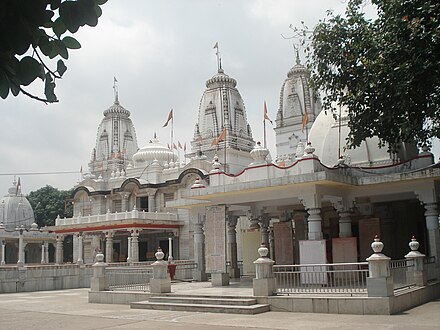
column 221, row 80
column 16, row 209
column 116, row 108
column 298, row 70
column 326, row 137
column 153, row 151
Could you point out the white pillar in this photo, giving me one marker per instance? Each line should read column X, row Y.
column 46, row 252
column 129, row 250
column 43, row 261
column 314, row 223
column 80, row 260
column 135, row 246
column 170, row 249
column 3, row 245
column 234, row 271
column 59, row 250
column 345, row 224
column 199, row 249
column 151, row 203
column 109, row 247
column 20, row 261
column 431, row 217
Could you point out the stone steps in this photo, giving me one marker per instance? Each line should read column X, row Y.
column 217, row 304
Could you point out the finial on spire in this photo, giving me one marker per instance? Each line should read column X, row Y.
column 115, row 88
column 219, row 60
column 298, row 61
column 155, row 136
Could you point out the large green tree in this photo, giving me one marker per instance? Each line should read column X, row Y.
column 49, row 202
column 385, row 70
column 33, row 36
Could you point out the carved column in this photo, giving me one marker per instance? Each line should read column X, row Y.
column 59, row 250
column 314, row 223
column 431, row 218
column 264, row 230
column 345, row 224
column 124, row 204
column 199, row 249
column 151, row 202
column 43, row 260
column 129, row 250
column 109, row 246
column 234, row 271
column 46, row 251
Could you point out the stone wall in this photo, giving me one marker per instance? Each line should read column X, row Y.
column 41, row 278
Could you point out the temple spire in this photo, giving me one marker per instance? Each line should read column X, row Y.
column 298, row 61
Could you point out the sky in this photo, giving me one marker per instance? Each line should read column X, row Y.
column 161, row 53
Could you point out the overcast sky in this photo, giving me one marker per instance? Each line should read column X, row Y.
column 161, row 53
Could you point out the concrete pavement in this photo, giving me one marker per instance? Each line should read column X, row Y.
column 69, row 309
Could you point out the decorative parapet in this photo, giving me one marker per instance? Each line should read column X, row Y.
column 129, row 215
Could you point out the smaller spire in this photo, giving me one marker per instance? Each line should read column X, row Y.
column 155, row 136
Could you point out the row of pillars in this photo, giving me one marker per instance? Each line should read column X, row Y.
column 21, row 251
column 132, row 247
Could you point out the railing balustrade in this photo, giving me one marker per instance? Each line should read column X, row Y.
column 329, row 278
column 399, row 269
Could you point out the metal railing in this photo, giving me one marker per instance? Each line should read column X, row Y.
column 431, row 274
column 184, row 269
column 329, row 278
column 398, row 270
column 129, row 278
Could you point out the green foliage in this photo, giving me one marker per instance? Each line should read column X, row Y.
column 386, row 71
column 49, row 202
column 37, row 28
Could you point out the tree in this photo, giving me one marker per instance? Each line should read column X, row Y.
column 32, row 32
column 49, row 202
column 386, row 71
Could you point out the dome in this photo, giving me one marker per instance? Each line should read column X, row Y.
column 153, row 151
column 325, row 137
column 15, row 209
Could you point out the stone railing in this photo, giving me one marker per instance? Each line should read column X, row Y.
column 128, row 215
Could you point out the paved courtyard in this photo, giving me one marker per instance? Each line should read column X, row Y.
column 69, row 309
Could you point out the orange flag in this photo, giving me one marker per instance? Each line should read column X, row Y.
column 170, row 116
column 222, row 136
column 304, row 121
column 266, row 116
column 179, row 145
column 174, row 146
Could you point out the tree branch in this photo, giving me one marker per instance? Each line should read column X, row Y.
column 45, row 66
column 46, row 101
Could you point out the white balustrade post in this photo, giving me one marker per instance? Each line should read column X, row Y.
column 99, row 281
column 161, row 282
column 264, row 282
column 417, row 273
column 379, row 281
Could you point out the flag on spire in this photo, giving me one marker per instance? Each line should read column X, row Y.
column 184, row 147
column 174, row 146
column 304, row 121
column 168, row 146
column 170, row 116
column 266, row 116
column 216, row 45
column 179, row 145
column 221, row 137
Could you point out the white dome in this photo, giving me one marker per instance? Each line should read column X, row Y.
column 153, row 151
column 16, row 209
column 324, row 136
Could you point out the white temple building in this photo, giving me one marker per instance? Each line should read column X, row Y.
column 318, row 202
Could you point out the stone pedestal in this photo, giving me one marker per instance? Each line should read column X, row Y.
column 264, row 282
column 220, row 279
column 417, row 273
column 99, row 282
column 379, row 281
column 161, row 282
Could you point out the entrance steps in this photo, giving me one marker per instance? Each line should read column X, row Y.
column 195, row 303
